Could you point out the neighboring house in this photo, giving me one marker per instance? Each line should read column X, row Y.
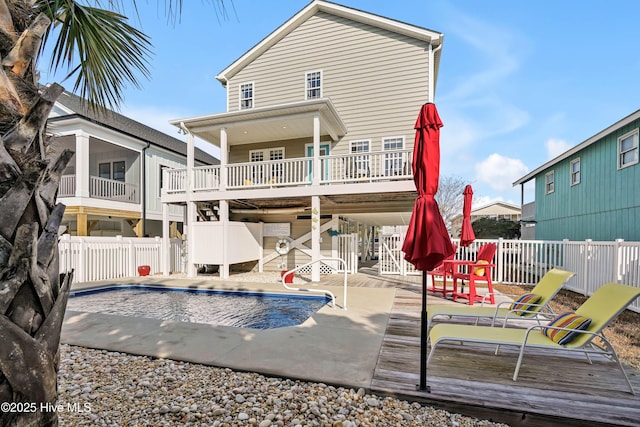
column 319, row 128
column 496, row 210
column 112, row 184
column 590, row 191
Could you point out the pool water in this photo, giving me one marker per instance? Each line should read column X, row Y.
column 225, row 308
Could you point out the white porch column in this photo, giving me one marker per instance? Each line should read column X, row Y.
column 315, row 237
column 226, row 239
column 224, row 158
column 316, row 150
column 82, row 165
column 191, row 206
column 165, row 252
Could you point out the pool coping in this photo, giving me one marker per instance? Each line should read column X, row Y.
column 333, row 346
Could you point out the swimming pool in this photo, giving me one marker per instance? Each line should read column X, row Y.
column 225, row 308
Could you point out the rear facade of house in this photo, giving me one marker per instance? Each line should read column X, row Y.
column 318, row 135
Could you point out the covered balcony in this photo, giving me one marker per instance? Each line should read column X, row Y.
column 101, row 188
column 384, row 166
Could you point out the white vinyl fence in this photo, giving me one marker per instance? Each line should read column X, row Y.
column 525, row 261
column 104, row 258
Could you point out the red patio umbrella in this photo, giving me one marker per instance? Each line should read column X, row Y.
column 466, row 234
column 427, row 242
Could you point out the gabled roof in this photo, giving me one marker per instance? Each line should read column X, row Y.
column 495, row 206
column 595, row 138
column 112, row 120
column 420, row 33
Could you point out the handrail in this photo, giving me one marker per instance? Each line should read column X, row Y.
column 333, row 297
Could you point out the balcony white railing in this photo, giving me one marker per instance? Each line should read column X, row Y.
column 273, row 173
column 206, row 177
column 367, row 167
column 102, row 188
column 67, row 187
column 334, row 169
column 174, row 180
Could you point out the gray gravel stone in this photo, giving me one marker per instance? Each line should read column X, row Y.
column 126, row 390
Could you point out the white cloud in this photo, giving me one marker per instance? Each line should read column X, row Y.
column 499, row 172
column 555, row 147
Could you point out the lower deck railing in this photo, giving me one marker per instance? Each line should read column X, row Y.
column 525, row 261
column 105, row 258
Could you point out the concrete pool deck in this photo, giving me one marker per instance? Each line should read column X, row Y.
column 333, row 346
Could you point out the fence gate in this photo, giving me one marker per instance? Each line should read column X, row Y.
column 348, row 251
column 391, row 259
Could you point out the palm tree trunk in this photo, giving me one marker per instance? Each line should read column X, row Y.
column 33, row 295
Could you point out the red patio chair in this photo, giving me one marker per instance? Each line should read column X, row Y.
column 443, row 270
column 474, row 271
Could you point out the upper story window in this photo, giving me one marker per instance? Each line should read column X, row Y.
column 575, row 171
column 246, row 96
column 549, row 182
column 314, row 85
column 628, row 149
column 112, row 170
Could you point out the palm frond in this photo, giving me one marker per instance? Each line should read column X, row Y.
column 110, row 53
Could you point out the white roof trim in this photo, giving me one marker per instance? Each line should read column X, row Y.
column 311, row 9
column 571, row 152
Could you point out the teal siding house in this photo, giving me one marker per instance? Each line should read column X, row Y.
column 592, row 191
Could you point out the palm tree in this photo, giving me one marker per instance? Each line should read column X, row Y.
column 33, row 294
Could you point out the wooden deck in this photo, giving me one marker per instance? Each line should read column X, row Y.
column 551, row 390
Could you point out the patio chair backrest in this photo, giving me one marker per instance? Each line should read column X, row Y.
column 486, row 252
column 550, row 284
column 603, row 307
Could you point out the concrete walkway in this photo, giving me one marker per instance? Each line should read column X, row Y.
column 333, row 346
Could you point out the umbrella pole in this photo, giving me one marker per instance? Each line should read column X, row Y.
column 423, row 338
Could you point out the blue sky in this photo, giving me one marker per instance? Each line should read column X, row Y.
column 520, row 82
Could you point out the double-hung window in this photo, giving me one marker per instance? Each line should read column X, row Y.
column 628, row 149
column 359, row 165
column 575, row 171
column 313, row 85
column 549, row 182
column 246, row 96
column 393, row 161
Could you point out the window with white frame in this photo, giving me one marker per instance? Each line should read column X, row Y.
column 575, row 171
column 314, row 84
column 393, row 161
column 161, row 180
column 549, row 179
column 359, row 165
column 628, row 149
column 112, row 170
column 246, row 96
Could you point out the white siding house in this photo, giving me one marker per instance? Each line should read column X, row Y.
column 319, row 126
column 112, row 185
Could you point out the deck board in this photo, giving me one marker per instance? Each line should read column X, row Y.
column 471, row 379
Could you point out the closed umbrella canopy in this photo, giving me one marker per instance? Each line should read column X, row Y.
column 467, row 236
column 427, row 242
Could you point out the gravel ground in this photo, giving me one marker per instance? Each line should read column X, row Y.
column 102, row 388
